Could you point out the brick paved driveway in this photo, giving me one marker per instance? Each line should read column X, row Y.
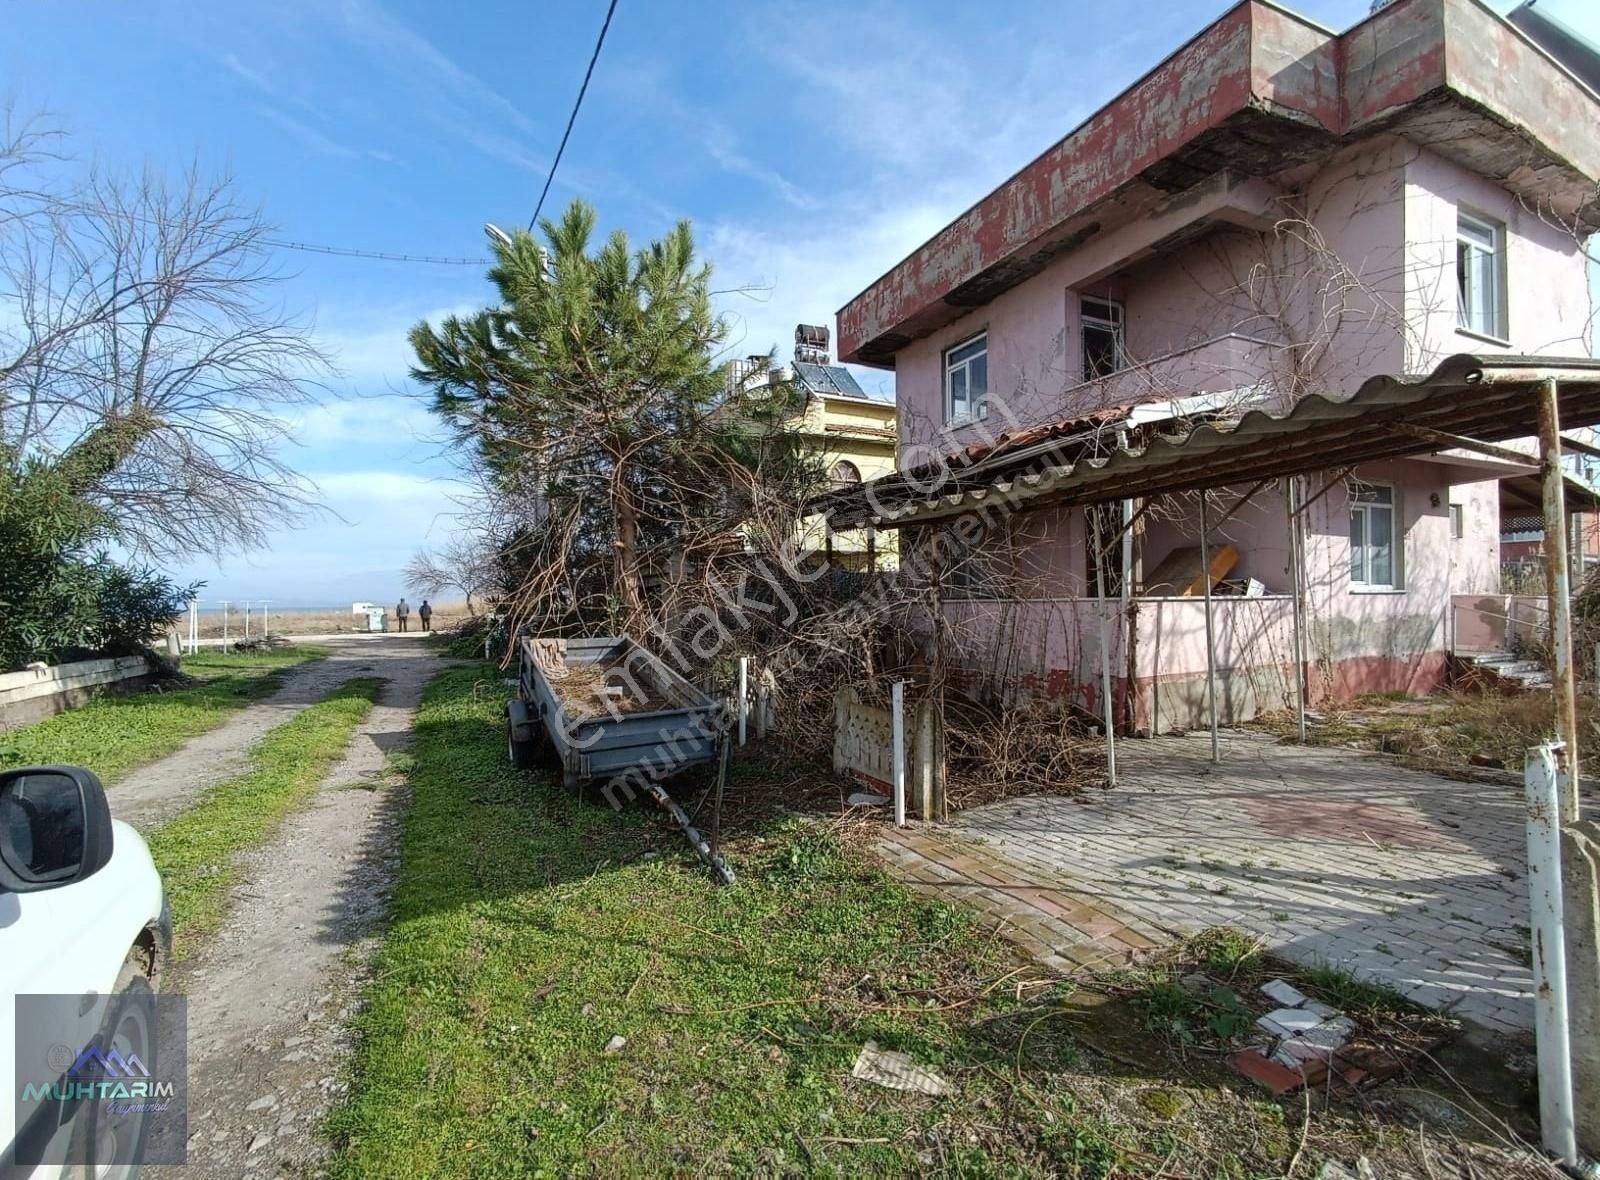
column 1405, row 878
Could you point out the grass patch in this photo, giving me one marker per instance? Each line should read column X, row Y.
column 1336, row 986
column 1448, row 733
column 114, row 735
column 529, row 929
column 195, row 851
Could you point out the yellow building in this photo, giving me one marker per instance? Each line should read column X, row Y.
column 855, row 435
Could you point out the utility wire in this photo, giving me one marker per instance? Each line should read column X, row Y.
column 350, row 252
column 573, row 118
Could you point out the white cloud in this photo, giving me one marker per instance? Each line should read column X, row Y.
column 253, row 76
column 452, row 98
column 924, row 125
column 318, row 142
column 395, row 419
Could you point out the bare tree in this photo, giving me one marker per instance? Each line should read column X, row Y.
column 466, row 564
column 139, row 296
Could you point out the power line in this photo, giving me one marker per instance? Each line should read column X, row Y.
column 573, row 118
column 350, row 252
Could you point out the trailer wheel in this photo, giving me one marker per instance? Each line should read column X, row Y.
column 520, row 753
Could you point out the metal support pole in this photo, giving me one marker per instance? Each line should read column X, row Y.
column 224, row 624
column 1211, row 659
column 744, row 698
column 247, row 619
column 1126, row 625
column 1297, row 582
column 1105, row 649
column 924, row 717
column 897, row 712
column 1559, row 592
column 1542, row 777
column 266, row 626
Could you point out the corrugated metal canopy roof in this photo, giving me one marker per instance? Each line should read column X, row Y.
column 1489, row 399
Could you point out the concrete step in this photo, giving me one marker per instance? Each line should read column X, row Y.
column 1508, row 666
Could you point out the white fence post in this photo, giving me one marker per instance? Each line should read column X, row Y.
column 924, row 760
column 897, row 710
column 1542, row 773
column 744, row 697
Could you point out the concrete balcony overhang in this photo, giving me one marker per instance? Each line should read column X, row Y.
column 1214, row 375
column 1260, row 93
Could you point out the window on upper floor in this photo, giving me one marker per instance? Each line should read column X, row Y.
column 1100, row 324
column 966, row 380
column 1481, row 275
column 845, row 473
column 1458, row 522
column 1374, row 556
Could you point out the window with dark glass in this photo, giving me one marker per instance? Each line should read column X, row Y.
column 966, row 380
column 1101, row 327
column 1373, row 560
column 1481, row 275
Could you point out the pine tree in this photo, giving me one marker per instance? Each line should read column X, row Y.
column 589, row 394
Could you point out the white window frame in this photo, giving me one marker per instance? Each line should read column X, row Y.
column 1114, row 323
column 1458, row 521
column 1468, row 244
column 1363, row 584
column 977, row 408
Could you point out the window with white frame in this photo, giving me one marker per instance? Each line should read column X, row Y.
column 1481, row 275
column 966, row 380
column 1100, row 327
column 1458, row 522
column 1374, row 544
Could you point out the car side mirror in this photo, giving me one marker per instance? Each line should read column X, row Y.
column 55, row 827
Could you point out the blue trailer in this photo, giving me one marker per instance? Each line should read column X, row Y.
column 608, row 711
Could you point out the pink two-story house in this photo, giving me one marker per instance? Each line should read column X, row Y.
column 1275, row 210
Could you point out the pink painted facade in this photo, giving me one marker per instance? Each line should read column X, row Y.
column 1250, row 280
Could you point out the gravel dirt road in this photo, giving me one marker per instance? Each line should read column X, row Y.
column 271, row 995
column 155, row 793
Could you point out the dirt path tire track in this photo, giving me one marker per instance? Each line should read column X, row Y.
column 271, row 995
column 153, row 794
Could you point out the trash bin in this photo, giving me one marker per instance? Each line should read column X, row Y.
column 377, row 618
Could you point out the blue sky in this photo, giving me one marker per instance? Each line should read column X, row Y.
column 812, row 145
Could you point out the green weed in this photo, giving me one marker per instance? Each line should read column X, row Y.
column 114, row 735
column 195, row 851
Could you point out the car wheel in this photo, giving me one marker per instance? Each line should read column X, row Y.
column 107, row 1145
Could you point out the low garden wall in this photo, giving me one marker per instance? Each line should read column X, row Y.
column 39, row 692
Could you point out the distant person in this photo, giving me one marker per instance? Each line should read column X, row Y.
column 425, row 613
column 402, row 612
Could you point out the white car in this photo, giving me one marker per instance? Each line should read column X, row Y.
column 82, row 914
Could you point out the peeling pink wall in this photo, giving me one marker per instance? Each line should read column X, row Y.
column 1357, row 640
column 1548, row 299
column 1371, row 287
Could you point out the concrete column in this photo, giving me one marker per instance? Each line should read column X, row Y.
column 1580, row 904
